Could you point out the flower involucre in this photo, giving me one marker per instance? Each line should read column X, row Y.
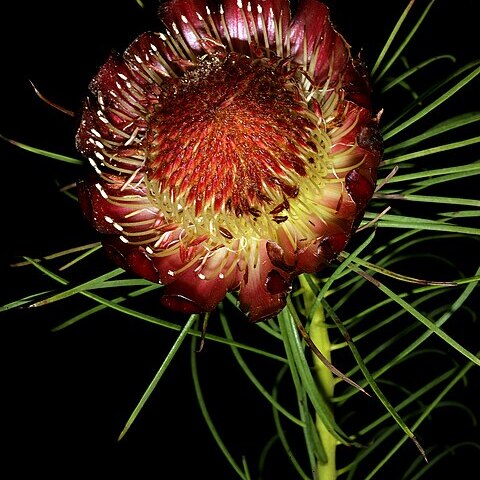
column 233, row 152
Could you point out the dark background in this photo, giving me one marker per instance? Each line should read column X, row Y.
column 67, row 394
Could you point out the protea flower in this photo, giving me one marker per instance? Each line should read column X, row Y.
column 233, row 152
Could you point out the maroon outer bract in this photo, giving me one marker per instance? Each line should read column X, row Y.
column 233, row 151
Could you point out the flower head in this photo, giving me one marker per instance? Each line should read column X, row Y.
column 233, row 152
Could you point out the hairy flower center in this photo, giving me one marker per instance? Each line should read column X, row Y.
column 231, row 136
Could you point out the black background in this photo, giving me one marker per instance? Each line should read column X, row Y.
column 66, row 395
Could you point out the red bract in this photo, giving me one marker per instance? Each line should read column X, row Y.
column 233, row 152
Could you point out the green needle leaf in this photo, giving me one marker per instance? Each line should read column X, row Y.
column 159, row 374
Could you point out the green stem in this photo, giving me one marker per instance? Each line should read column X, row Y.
column 319, row 334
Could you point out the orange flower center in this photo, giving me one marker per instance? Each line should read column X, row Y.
column 232, row 135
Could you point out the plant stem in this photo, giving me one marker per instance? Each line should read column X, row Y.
column 319, row 334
